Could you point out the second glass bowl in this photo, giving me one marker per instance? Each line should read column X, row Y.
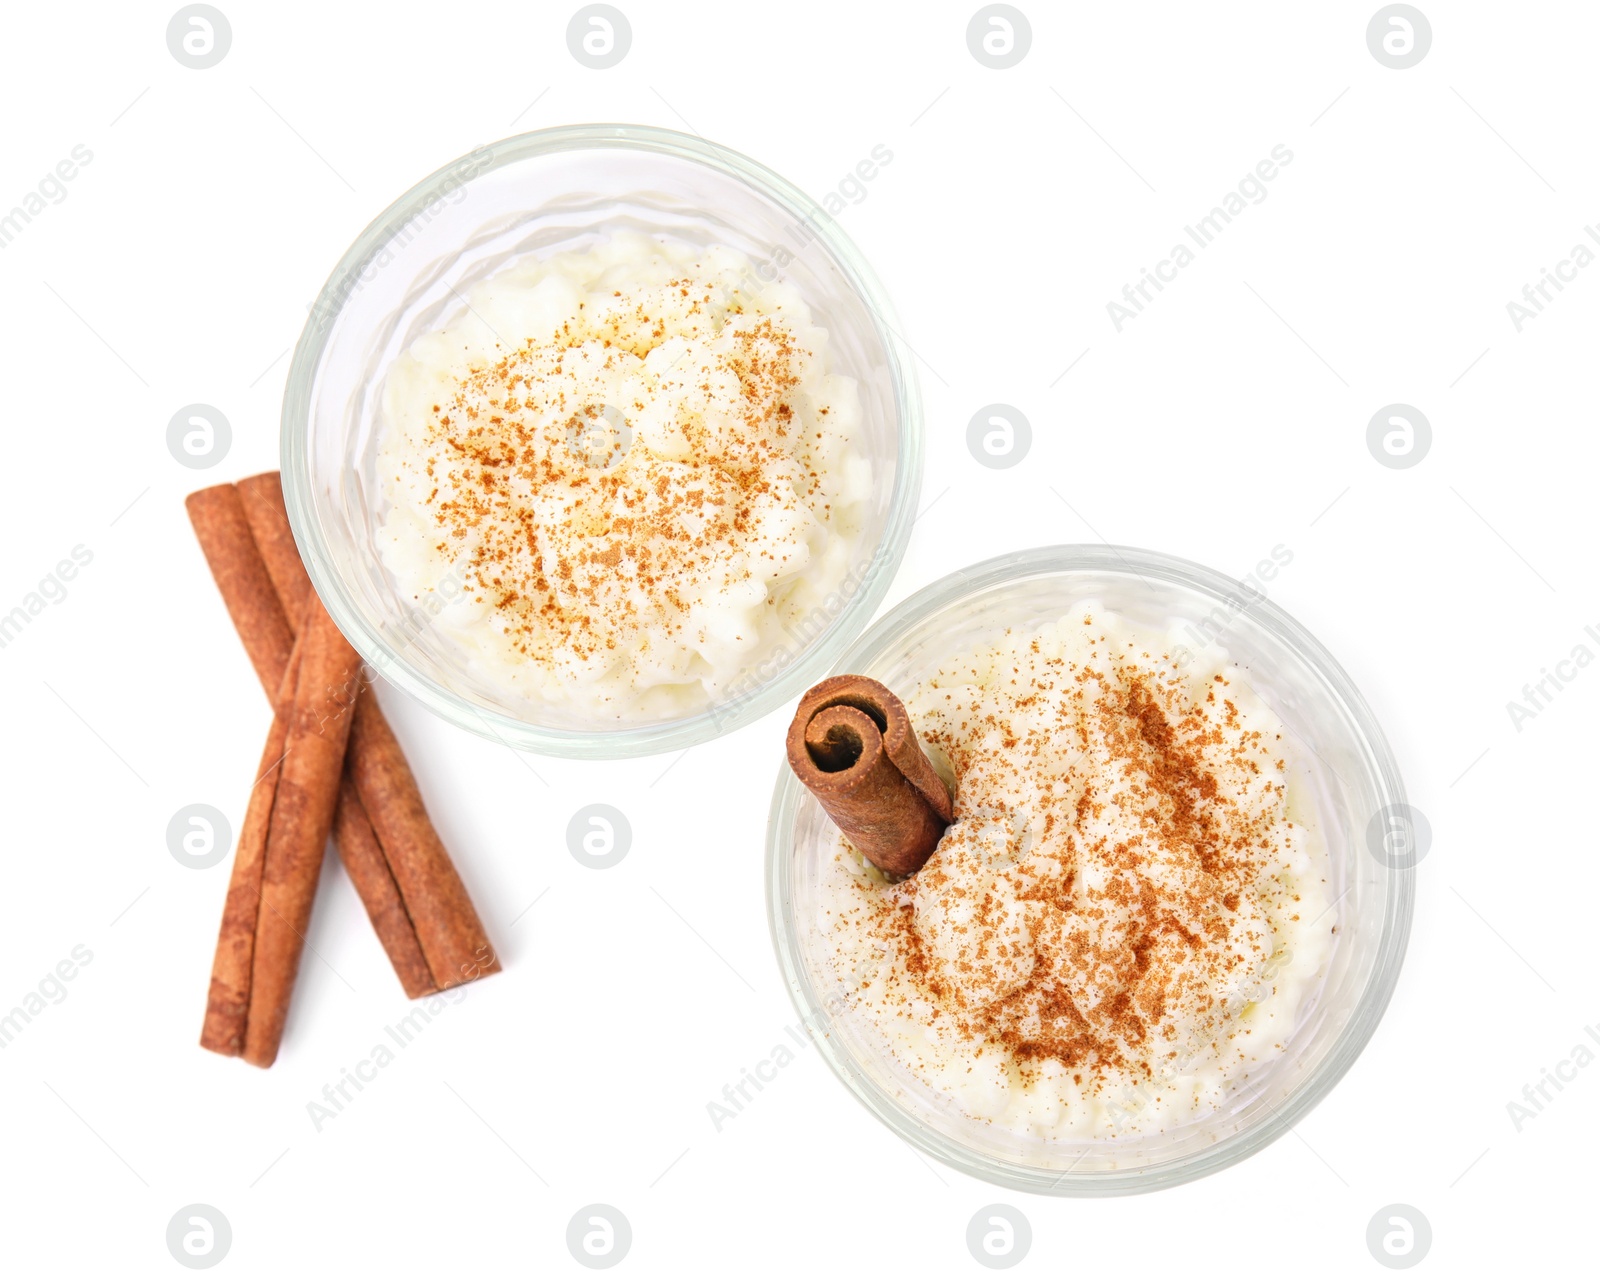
column 1352, row 781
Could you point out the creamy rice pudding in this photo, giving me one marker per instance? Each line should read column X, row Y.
column 1118, row 933
column 634, row 467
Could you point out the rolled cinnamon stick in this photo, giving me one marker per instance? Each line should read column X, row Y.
column 446, row 924
column 261, row 498
column 223, row 530
column 228, row 1002
column 852, row 745
column 417, row 880
column 368, row 869
column 260, row 591
column 319, row 718
column 408, row 885
column 218, row 517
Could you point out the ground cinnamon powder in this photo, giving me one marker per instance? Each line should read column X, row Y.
column 1105, row 901
column 581, row 533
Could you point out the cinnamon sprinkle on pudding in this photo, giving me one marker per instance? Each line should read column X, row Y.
column 1121, row 924
column 634, row 466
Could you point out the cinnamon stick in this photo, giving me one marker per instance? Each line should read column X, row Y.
column 318, row 727
column 446, row 924
column 218, row 517
column 368, row 869
column 405, row 872
column 261, row 498
column 228, row 1002
column 852, row 745
column 223, row 530
column 417, row 870
column 232, row 523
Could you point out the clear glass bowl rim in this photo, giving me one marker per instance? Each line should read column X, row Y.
column 1399, row 899
column 632, row 741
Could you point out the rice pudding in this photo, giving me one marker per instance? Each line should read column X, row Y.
column 1130, row 913
column 632, row 472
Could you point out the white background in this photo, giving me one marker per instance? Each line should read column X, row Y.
column 1228, row 418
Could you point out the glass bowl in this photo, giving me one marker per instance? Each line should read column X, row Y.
column 1347, row 773
column 540, row 193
